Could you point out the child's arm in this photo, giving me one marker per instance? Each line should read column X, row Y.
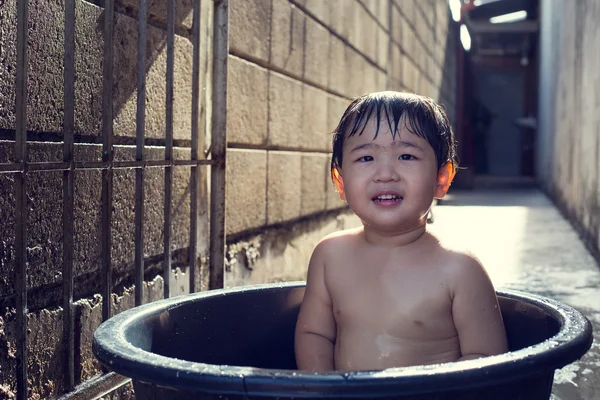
column 315, row 328
column 476, row 313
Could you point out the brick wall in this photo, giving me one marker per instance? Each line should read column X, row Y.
column 294, row 65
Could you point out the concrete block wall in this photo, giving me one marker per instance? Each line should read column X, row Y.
column 568, row 147
column 294, row 65
column 45, row 105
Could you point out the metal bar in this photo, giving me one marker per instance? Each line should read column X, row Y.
column 219, row 144
column 107, row 155
column 21, row 201
column 195, row 121
column 139, row 155
column 68, row 196
column 96, row 387
column 98, row 165
column 169, row 148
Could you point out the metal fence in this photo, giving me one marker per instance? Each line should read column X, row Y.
column 22, row 168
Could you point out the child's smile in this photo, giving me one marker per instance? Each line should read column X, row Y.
column 387, row 199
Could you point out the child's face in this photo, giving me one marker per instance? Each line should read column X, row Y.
column 389, row 182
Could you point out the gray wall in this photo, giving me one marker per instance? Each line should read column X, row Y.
column 568, row 147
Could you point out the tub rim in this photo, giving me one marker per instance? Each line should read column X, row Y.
column 111, row 348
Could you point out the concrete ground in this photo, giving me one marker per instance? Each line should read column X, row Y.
column 526, row 244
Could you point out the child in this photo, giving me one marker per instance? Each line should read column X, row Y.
column 389, row 294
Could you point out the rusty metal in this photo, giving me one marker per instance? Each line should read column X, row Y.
column 107, row 155
column 219, row 143
column 98, row 165
column 193, row 253
column 96, row 387
column 21, row 168
column 21, row 201
column 169, row 149
column 139, row 154
column 68, row 196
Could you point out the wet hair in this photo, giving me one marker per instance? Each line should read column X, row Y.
column 422, row 116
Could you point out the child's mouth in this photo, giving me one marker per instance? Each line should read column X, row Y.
column 387, row 199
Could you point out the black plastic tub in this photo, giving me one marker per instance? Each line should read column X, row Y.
column 238, row 344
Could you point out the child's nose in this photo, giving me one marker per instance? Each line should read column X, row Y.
column 386, row 172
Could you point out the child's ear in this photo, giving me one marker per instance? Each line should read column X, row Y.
column 339, row 183
column 444, row 179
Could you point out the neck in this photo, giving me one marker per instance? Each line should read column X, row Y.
column 393, row 239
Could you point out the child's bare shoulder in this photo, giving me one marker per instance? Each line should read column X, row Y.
column 340, row 240
column 463, row 268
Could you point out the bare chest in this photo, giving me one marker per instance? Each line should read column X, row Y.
column 399, row 300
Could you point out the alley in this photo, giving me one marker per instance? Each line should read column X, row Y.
column 526, row 244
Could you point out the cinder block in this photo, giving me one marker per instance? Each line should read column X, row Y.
column 367, row 37
column 371, row 79
column 409, row 73
column 356, row 70
column 287, row 37
column 284, row 173
column 45, row 235
column 397, row 25
column 336, row 65
column 421, row 25
column 45, row 345
column 440, row 52
column 407, row 7
column 246, row 201
column 359, row 22
column 428, row 11
column 45, row 89
column 125, row 92
column 370, row 5
column 285, row 111
column 250, row 25
column 342, row 14
column 409, row 39
column 320, row 9
column 247, row 102
column 380, row 10
column 317, row 49
column 314, row 170
column 383, row 42
column 157, row 11
column 397, row 63
column 431, row 67
column 45, row 66
column 315, row 129
column 335, row 109
column 383, row 81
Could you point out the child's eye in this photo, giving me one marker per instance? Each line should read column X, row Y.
column 365, row 159
column 407, row 157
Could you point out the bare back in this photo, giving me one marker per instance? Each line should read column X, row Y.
column 392, row 306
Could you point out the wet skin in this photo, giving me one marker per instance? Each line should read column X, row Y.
column 391, row 314
column 389, row 294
